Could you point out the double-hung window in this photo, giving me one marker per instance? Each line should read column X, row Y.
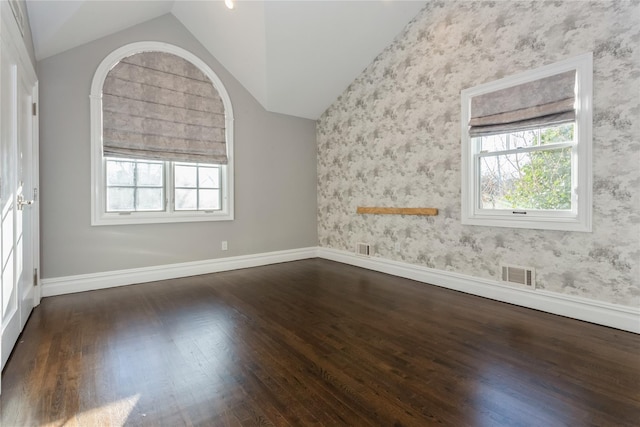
column 147, row 186
column 526, row 149
column 162, row 138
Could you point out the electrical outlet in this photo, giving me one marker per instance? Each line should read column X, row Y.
column 224, row 245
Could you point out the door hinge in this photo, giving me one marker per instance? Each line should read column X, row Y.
column 34, row 109
column 35, row 277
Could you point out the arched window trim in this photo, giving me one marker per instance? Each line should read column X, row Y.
column 99, row 216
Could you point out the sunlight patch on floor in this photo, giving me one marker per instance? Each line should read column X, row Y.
column 112, row 414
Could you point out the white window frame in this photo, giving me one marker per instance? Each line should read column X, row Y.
column 99, row 215
column 580, row 217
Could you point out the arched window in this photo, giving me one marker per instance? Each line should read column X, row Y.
column 162, row 138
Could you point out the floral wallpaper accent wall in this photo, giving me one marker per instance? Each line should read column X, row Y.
column 393, row 139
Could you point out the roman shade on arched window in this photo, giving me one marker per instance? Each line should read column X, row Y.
column 544, row 102
column 159, row 106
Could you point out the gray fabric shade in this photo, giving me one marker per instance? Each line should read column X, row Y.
column 158, row 106
column 542, row 102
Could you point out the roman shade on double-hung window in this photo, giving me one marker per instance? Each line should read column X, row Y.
column 159, row 106
column 543, row 102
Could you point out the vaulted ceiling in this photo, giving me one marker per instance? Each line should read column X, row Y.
column 295, row 57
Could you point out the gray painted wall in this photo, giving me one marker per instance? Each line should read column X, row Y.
column 275, row 173
column 393, row 139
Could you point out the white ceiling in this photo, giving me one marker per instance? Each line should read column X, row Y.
column 294, row 57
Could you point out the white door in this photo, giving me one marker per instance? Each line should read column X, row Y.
column 19, row 249
column 27, row 211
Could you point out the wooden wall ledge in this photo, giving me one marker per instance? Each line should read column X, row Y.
column 397, row 211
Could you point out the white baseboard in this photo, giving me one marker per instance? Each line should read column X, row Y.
column 602, row 313
column 109, row 279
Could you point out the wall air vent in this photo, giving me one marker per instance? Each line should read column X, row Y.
column 519, row 275
column 363, row 249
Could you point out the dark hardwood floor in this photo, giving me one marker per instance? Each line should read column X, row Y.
column 313, row 343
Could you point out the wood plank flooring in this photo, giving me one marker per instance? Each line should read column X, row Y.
column 313, row 343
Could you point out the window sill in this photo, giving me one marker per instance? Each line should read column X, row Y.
column 158, row 218
column 539, row 223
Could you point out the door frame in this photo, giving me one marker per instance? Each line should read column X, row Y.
column 35, row 180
